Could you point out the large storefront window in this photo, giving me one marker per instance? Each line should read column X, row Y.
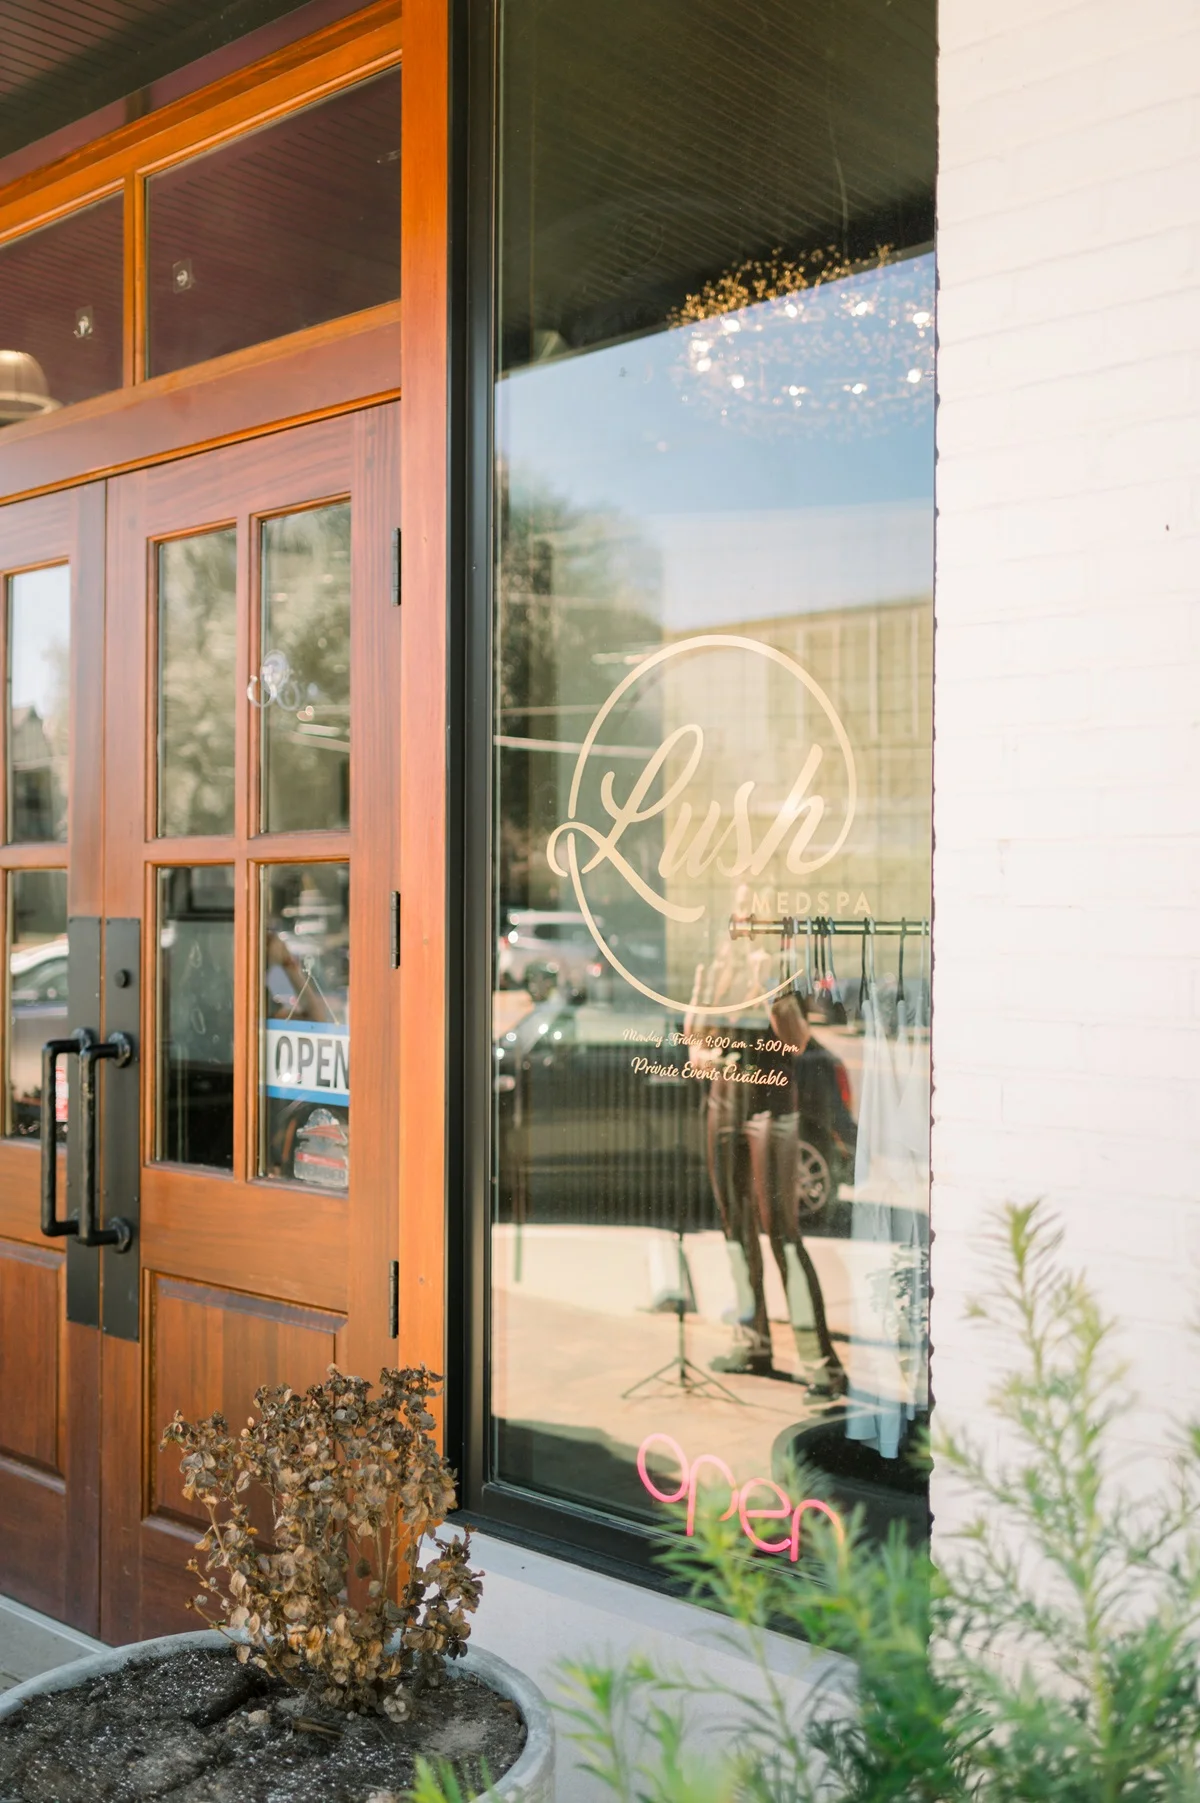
column 712, row 755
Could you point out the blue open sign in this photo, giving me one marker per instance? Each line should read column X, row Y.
column 308, row 1061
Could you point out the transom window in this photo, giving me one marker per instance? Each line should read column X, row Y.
column 283, row 226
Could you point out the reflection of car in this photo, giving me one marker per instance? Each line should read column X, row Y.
column 547, row 949
column 585, row 1137
column 38, row 999
column 601, row 1120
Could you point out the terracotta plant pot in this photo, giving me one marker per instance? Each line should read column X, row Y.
column 530, row 1780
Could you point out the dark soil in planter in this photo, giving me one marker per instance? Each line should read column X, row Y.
column 199, row 1728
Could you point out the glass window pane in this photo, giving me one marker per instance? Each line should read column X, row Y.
column 37, row 993
column 39, row 692
column 305, row 1075
column 197, row 669
column 194, row 1088
column 287, row 227
column 714, row 506
column 303, row 688
column 61, row 300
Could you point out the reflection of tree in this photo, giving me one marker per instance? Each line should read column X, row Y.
column 306, row 582
column 198, row 580
column 40, row 728
column 56, row 660
column 577, row 593
column 39, row 773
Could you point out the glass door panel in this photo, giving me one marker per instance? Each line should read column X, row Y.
column 303, row 687
column 39, row 690
column 197, row 682
column 194, row 1092
column 37, row 995
column 305, row 1082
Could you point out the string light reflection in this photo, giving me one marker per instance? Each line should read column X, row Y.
column 846, row 346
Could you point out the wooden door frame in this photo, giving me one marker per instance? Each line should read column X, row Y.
column 269, row 388
column 400, row 350
column 424, row 328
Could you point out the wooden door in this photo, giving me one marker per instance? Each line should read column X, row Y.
column 251, row 675
column 51, row 600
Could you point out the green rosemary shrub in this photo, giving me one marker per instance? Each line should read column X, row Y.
column 1051, row 1655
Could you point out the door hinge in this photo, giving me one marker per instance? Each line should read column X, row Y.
column 395, row 929
column 394, row 1299
column 395, row 566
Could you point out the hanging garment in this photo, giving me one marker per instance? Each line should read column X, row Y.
column 890, row 1212
column 911, row 1222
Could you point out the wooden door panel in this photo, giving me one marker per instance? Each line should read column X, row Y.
column 30, row 1314
column 20, row 1192
column 272, row 1239
column 209, row 1349
column 33, row 1526
column 49, row 1455
column 163, row 1581
column 33, row 1498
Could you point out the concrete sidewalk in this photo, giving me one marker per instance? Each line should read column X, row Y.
column 31, row 1643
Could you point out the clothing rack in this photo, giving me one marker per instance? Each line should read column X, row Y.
column 792, row 926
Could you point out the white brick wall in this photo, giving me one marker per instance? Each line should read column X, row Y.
column 1067, row 815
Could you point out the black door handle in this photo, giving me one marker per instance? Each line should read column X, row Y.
column 118, row 1233
column 52, row 1051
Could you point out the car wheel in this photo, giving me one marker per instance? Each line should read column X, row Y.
column 814, row 1182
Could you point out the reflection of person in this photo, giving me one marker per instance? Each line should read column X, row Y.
column 801, row 1133
column 291, row 989
column 727, row 1155
column 771, row 1151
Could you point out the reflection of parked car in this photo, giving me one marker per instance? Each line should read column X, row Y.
column 38, row 998
column 543, row 950
column 587, row 1133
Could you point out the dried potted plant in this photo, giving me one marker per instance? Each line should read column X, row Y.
column 339, row 1658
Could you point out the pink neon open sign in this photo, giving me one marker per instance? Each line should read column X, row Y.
column 740, row 1498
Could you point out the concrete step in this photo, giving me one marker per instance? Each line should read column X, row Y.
column 31, row 1643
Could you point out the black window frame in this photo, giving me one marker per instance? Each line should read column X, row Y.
column 560, row 1528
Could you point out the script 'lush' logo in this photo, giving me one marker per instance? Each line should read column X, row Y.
column 699, row 838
